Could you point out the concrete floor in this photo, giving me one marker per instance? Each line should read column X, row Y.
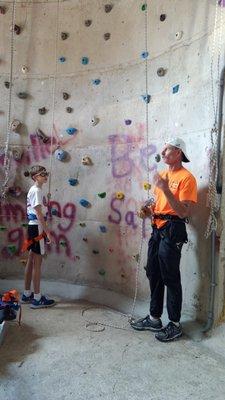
column 56, row 355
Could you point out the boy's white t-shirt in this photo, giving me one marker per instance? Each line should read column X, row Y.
column 34, row 198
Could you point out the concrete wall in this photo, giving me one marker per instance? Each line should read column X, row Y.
column 118, row 151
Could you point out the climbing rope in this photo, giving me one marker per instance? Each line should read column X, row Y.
column 7, row 158
column 213, row 199
column 93, row 325
column 53, row 99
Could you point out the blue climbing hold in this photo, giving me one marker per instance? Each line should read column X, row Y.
column 54, row 211
column 146, row 98
column 96, row 82
column 73, row 181
column 128, row 121
column 103, row 228
column 85, row 203
column 85, row 60
column 61, row 154
column 176, row 89
column 62, row 59
column 144, row 54
column 71, row 131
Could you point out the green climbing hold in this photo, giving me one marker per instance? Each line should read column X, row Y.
column 63, row 243
column 24, row 224
column 102, row 195
column 102, row 272
column 144, row 7
column 12, row 248
column 2, row 228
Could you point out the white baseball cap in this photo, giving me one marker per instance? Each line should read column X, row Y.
column 180, row 144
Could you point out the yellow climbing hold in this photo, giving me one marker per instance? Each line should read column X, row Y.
column 120, row 195
column 147, row 186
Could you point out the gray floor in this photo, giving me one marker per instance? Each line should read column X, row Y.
column 56, row 354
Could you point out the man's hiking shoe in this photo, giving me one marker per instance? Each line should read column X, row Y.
column 169, row 333
column 42, row 303
column 147, row 324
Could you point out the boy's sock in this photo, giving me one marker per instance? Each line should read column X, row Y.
column 27, row 293
column 176, row 323
column 154, row 319
column 37, row 296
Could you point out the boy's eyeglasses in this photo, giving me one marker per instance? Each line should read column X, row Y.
column 43, row 174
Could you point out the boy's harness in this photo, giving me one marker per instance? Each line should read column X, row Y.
column 28, row 242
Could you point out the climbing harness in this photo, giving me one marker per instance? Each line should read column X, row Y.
column 28, row 242
column 7, row 157
column 213, row 199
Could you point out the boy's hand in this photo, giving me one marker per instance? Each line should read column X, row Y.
column 49, row 237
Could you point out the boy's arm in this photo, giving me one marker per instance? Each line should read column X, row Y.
column 40, row 217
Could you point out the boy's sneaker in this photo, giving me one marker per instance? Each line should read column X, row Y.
column 169, row 333
column 42, row 303
column 147, row 324
column 27, row 299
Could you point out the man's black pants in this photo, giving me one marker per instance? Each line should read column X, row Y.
column 163, row 268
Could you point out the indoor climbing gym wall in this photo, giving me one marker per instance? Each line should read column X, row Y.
column 90, row 89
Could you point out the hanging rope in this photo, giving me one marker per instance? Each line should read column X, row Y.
column 7, row 159
column 213, row 200
column 53, row 99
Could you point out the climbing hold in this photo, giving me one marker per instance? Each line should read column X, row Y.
column 23, row 261
column 11, row 248
column 108, row 8
column 85, row 203
column 85, row 60
column 88, row 22
column 55, row 212
column 61, row 154
column 176, row 89
column 86, row 160
column 96, row 81
column 2, row 228
column 24, row 224
column 24, row 69
column 102, row 195
column 94, row 121
column 146, row 186
column 146, row 98
column 17, row 29
column 103, row 228
column 2, row 10
column 73, row 181
column 71, row 131
column 7, row 84
column 136, row 257
column 144, row 7
column 128, row 121
column 22, row 95
column 157, row 157
column 82, row 224
column 111, row 250
column 144, row 54
column 85, row 239
column 65, row 96
column 42, row 136
column 120, row 195
column 179, row 35
column 95, row 251
column 62, row 59
column 107, row 36
column 15, row 125
column 64, row 35
column 63, row 243
column 161, row 71
column 17, row 153
column 102, row 272
column 69, row 109
column 42, row 110
column 15, row 191
column 162, row 17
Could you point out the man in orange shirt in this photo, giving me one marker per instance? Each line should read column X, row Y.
column 175, row 193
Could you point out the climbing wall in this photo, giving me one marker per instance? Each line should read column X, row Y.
column 79, row 80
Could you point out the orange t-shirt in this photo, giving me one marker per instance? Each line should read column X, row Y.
column 183, row 186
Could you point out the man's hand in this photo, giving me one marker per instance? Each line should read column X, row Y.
column 161, row 183
column 145, row 211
